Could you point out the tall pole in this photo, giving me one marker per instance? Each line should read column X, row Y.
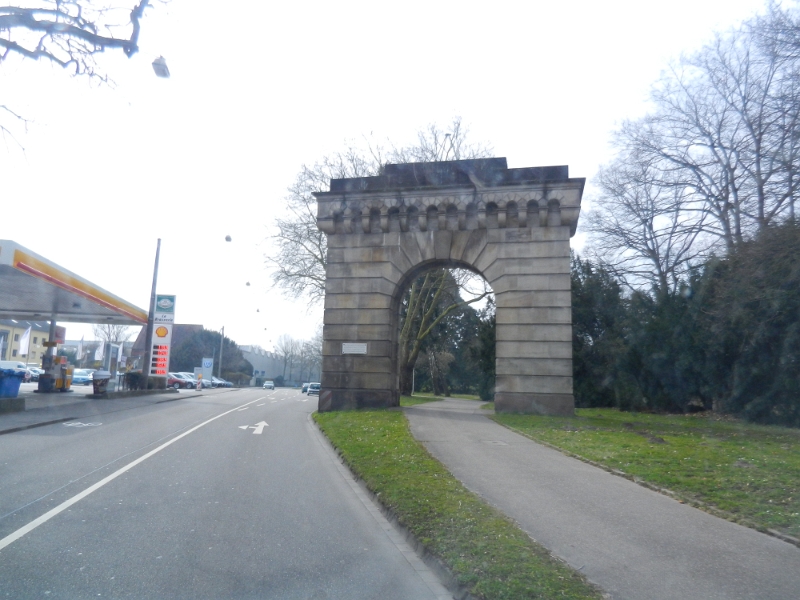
column 148, row 337
column 221, row 339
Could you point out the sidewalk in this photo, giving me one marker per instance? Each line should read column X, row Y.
column 634, row 543
column 44, row 409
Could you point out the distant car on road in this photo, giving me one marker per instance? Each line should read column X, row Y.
column 269, row 385
column 304, row 389
column 313, row 389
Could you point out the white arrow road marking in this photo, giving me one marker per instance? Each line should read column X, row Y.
column 79, row 424
column 258, row 428
column 25, row 529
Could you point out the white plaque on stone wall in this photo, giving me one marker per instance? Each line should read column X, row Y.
column 352, row 348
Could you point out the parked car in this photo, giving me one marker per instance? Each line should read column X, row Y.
column 206, row 382
column 269, row 385
column 305, row 388
column 189, row 377
column 178, row 381
column 17, row 366
column 35, row 372
column 81, row 377
column 220, row 382
column 313, row 389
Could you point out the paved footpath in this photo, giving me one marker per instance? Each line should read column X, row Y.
column 631, row 541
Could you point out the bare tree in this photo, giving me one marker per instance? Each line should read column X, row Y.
column 68, row 33
column 429, row 300
column 113, row 334
column 715, row 162
column 642, row 227
column 314, row 352
column 287, row 348
column 299, row 264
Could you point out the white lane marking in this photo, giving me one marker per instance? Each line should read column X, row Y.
column 245, row 408
column 258, row 427
column 79, row 424
column 260, row 404
column 25, row 529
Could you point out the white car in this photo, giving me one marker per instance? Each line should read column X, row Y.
column 269, row 385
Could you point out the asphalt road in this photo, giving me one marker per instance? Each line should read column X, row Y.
column 212, row 495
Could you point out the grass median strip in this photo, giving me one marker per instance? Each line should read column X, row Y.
column 751, row 472
column 485, row 551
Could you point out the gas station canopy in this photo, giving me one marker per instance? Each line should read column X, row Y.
column 33, row 288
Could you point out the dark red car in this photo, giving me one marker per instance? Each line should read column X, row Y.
column 177, row 381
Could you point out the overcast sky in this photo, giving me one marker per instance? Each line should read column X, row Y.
column 258, row 89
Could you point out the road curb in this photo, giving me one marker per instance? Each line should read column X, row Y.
column 431, row 561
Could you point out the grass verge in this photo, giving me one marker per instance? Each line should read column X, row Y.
column 486, row 553
column 417, row 399
column 749, row 472
column 423, row 398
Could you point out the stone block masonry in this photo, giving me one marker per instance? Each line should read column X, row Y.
column 512, row 226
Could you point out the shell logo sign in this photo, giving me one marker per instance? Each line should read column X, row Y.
column 163, row 318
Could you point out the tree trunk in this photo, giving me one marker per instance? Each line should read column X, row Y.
column 406, row 379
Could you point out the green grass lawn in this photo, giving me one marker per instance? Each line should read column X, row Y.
column 749, row 471
column 422, row 398
column 417, row 399
column 485, row 551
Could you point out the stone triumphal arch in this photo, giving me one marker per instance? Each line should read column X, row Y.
column 512, row 226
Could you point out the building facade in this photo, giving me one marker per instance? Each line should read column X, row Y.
column 11, row 334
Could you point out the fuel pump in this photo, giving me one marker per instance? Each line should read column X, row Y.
column 63, row 374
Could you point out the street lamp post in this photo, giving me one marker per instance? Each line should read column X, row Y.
column 221, row 340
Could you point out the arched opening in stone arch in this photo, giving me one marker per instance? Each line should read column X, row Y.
column 355, row 224
column 471, row 221
column 553, row 213
column 433, row 218
column 452, row 218
column 443, row 324
column 413, row 218
column 512, row 215
column 491, row 216
column 375, row 221
column 533, row 214
column 394, row 219
column 339, row 224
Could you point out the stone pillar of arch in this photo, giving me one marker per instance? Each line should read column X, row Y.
column 451, row 214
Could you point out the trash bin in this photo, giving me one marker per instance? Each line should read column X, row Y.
column 10, row 380
column 100, row 381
